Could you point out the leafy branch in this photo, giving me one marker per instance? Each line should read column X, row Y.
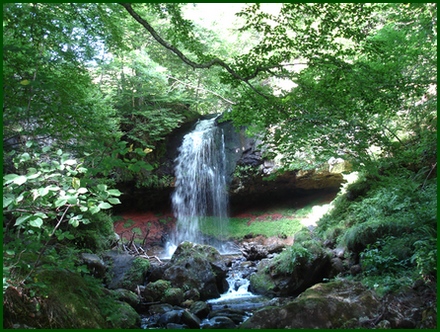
column 206, row 65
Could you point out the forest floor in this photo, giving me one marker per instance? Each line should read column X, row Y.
column 151, row 229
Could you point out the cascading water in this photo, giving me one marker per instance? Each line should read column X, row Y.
column 200, row 190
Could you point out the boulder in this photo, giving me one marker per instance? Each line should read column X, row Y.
column 199, row 267
column 154, row 291
column 200, row 309
column 173, row 296
column 95, row 264
column 125, row 271
column 127, row 296
column 219, row 322
column 331, row 305
column 292, row 271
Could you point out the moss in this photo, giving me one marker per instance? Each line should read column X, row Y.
column 71, row 301
column 261, row 283
column 155, row 290
column 173, row 296
column 136, row 274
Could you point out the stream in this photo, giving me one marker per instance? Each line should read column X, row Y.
column 237, row 303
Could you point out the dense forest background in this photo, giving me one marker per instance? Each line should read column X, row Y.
column 90, row 91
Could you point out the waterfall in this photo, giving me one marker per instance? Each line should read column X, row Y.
column 200, row 194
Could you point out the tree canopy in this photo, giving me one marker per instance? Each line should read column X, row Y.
column 91, row 90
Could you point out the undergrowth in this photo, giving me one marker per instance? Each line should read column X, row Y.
column 389, row 225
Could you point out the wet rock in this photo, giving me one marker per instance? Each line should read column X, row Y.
column 191, row 320
column 154, row 291
column 253, row 251
column 219, row 322
column 200, row 309
column 236, row 315
column 172, row 316
column 329, row 305
column 278, row 277
column 173, row 296
column 355, row 269
column 337, row 267
column 198, row 267
column 192, row 294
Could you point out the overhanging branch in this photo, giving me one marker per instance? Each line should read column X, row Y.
column 206, row 65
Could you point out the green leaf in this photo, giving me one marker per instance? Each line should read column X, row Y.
column 94, row 209
column 104, row 205
column 82, row 190
column 43, row 191
column 72, row 199
column 33, row 176
column 76, row 183
column 102, row 187
column 114, row 192
column 20, row 180
column 37, row 222
column 7, row 200
column 74, row 222
column 70, row 162
column 60, row 202
column 10, row 177
column 22, row 219
column 113, row 200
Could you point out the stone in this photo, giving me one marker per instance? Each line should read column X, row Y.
column 95, row 264
column 126, row 271
column 200, row 309
column 172, row 316
column 173, row 296
column 154, row 291
column 199, row 267
column 127, row 296
column 128, row 318
column 274, row 279
column 191, row 320
column 325, row 305
column 219, row 322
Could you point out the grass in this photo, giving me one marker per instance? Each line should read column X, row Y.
column 237, row 228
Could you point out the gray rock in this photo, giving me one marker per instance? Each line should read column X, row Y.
column 329, row 306
column 198, row 267
column 219, row 322
column 95, row 264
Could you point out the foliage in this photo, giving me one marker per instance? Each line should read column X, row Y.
column 362, row 92
column 44, row 204
column 391, row 228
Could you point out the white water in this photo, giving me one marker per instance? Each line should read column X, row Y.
column 238, row 289
column 200, row 190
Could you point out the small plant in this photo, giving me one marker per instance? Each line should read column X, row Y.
column 44, row 203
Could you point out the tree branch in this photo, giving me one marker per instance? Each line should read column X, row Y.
column 195, row 65
column 197, row 88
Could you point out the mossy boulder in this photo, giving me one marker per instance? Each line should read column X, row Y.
column 71, row 301
column 293, row 271
column 173, row 296
column 331, row 305
column 155, row 290
column 125, row 271
column 199, row 267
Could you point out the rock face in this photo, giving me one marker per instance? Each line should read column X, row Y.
column 247, row 175
column 199, row 267
column 292, row 272
column 339, row 304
